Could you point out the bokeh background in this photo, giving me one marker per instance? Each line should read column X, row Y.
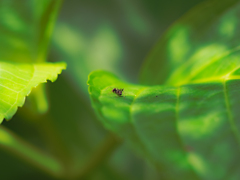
column 114, row 35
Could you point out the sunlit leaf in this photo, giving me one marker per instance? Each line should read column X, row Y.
column 17, row 80
column 188, row 132
column 25, row 30
column 202, row 44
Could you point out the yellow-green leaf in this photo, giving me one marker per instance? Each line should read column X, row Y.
column 17, row 80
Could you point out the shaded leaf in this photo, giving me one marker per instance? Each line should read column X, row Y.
column 202, row 44
column 25, row 29
column 188, row 132
column 17, row 80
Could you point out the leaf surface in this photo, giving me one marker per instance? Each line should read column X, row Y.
column 188, row 127
column 25, row 31
column 17, row 80
column 188, row 132
column 203, row 44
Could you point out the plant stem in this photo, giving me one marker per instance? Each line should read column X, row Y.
column 10, row 142
column 49, row 133
column 104, row 150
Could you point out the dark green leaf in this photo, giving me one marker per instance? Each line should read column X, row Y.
column 188, row 132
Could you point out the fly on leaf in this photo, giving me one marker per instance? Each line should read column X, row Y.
column 118, row 91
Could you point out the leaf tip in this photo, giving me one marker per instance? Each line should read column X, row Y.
column 60, row 67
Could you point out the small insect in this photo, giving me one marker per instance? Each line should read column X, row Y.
column 118, row 91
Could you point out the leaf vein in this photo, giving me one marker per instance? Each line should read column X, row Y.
column 8, row 88
column 11, row 81
column 20, row 92
column 230, row 117
column 134, row 99
column 13, row 74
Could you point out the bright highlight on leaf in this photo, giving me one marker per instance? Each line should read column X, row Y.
column 180, row 129
column 17, row 80
column 203, row 43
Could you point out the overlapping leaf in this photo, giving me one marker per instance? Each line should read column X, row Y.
column 17, row 80
column 202, row 44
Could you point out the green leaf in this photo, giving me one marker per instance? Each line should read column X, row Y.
column 17, row 80
column 190, row 129
column 202, row 44
column 188, row 132
column 25, row 29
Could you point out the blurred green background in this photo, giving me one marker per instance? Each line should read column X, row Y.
column 114, row 35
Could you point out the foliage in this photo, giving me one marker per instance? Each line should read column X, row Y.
column 17, row 80
column 26, row 30
column 183, row 130
column 182, row 117
column 188, row 126
column 24, row 39
column 196, row 48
